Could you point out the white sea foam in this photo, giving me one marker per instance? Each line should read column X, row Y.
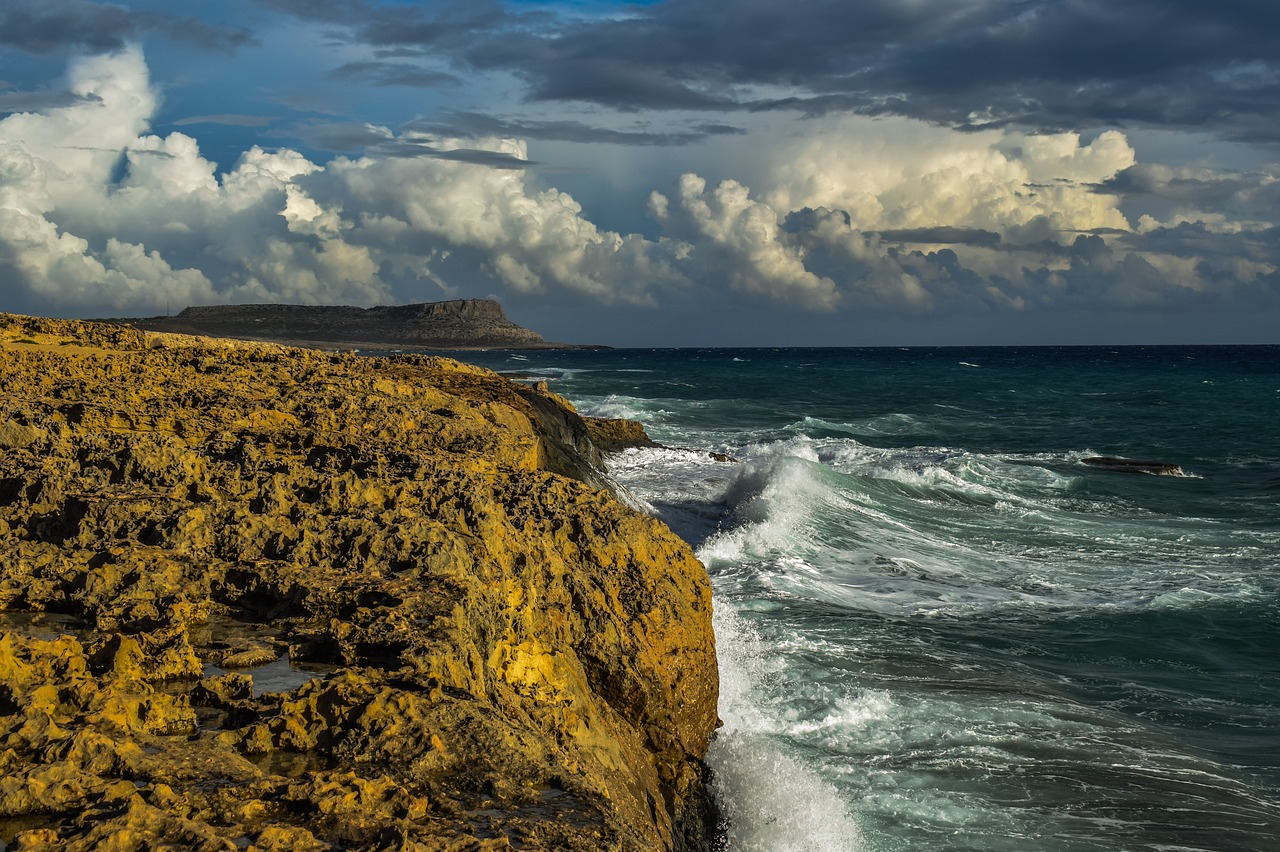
column 680, row 486
column 909, row 532
column 847, row 715
column 772, row 498
column 773, row 802
column 619, row 406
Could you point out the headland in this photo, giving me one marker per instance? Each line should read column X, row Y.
column 453, row 325
column 272, row 598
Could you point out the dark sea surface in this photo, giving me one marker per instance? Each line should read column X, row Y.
column 938, row 627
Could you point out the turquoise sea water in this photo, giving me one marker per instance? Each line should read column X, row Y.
column 938, row 628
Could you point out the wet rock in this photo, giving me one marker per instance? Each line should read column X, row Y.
column 1134, row 465
column 613, row 435
column 522, row 660
column 223, row 690
column 246, row 658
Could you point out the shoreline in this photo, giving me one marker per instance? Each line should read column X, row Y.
column 500, row 647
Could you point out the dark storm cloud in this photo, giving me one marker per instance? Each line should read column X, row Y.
column 810, row 219
column 376, row 73
column 341, row 137
column 941, row 235
column 1047, row 64
column 41, row 100
column 447, row 24
column 1196, row 240
column 1240, row 193
column 476, row 124
column 474, row 156
column 47, row 26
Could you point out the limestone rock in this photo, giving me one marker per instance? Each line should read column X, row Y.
column 612, row 435
column 503, row 655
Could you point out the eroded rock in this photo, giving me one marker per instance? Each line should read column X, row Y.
column 614, row 434
column 522, row 661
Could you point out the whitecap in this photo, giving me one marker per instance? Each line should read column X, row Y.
column 772, row 802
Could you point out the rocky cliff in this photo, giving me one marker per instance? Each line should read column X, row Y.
column 458, row 324
column 270, row 598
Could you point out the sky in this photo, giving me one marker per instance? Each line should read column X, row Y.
column 669, row 173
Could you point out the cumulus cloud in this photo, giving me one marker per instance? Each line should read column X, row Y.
column 722, row 231
column 99, row 213
column 910, row 175
column 1197, row 193
column 905, row 217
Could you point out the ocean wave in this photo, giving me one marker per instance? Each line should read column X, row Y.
column 911, row 531
column 772, row 801
column 617, row 406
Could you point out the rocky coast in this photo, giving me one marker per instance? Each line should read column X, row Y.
column 271, row 598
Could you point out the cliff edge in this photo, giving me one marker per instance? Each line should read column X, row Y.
column 457, row 324
column 270, row 598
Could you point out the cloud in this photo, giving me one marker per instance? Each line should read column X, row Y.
column 373, row 140
column 477, row 124
column 892, row 176
column 98, row 213
column 37, row 101
column 230, row 119
column 1007, row 222
column 378, row 73
column 443, row 25
column 415, row 148
column 859, row 218
column 942, row 234
column 453, row 221
column 1046, row 65
column 337, row 136
column 723, row 232
column 48, row 26
column 1191, row 192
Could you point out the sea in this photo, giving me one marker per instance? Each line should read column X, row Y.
column 938, row 626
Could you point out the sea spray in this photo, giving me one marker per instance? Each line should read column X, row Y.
column 771, row 802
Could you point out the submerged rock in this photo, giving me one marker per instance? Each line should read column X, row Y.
column 516, row 659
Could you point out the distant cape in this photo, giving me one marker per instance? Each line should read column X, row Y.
column 456, row 324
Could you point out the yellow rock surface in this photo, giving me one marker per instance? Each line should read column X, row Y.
column 503, row 655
